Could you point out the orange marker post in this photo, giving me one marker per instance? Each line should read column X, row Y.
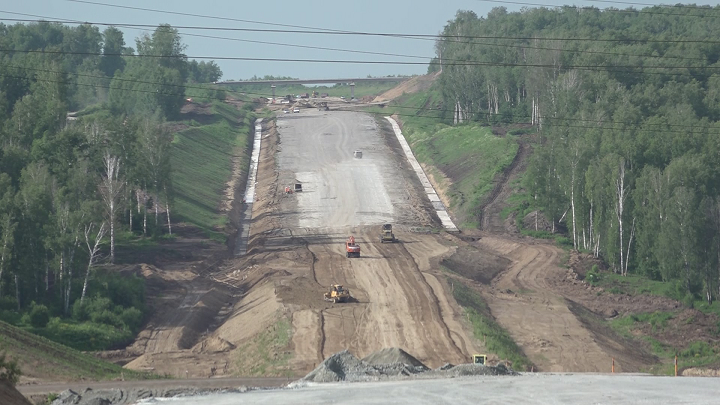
column 613, row 365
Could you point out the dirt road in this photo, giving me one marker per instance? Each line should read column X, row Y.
column 396, row 303
column 537, row 318
column 524, row 302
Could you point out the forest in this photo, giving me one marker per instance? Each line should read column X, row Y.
column 85, row 160
column 625, row 107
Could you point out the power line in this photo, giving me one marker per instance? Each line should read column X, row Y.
column 430, row 37
column 205, row 16
column 440, row 110
column 363, row 111
column 613, row 68
column 632, row 11
column 130, row 26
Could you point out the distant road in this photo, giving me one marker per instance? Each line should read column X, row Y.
column 318, row 81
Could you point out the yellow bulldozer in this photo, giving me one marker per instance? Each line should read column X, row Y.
column 337, row 293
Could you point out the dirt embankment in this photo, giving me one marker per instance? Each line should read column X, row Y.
column 519, row 279
column 11, row 396
column 414, row 85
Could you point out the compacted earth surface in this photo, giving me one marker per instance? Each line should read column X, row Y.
column 218, row 315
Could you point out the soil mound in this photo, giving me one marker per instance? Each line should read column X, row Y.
column 342, row 366
column 390, row 363
column 393, row 355
column 478, row 369
column 213, row 344
column 414, row 85
column 10, row 396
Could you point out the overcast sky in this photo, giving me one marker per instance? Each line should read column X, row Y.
column 376, row 16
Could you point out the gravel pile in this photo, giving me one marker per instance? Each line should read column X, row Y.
column 391, row 363
column 128, row 396
column 343, row 366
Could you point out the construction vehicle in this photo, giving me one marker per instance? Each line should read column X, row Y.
column 387, row 235
column 337, row 294
column 322, row 106
column 352, row 249
column 479, row 359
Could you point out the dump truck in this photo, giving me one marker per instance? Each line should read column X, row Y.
column 352, row 249
column 387, row 235
column 337, row 293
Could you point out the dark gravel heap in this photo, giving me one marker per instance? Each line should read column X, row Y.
column 391, row 363
column 128, row 396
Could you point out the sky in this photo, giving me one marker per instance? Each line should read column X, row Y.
column 369, row 16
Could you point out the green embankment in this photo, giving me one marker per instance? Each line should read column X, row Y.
column 267, row 355
column 463, row 159
column 497, row 340
column 696, row 353
column 201, row 161
column 49, row 359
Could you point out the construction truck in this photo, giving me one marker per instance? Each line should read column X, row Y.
column 387, row 235
column 337, row 293
column 479, row 359
column 352, row 249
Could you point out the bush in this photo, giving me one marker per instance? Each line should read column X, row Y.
column 132, row 317
column 697, row 349
column 11, row 317
column 8, row 303
column 592, row 276
column 86, row 336
column 9, row 370
column 39, row 315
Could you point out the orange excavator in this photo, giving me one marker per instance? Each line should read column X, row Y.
column 352, row 249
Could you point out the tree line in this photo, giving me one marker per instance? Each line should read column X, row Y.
column 70, row 182
column 626, row 107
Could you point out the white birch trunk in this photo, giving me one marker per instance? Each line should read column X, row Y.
column 93, row 251
column 619, row 207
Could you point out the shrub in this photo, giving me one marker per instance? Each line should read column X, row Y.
column 697, row 349
column 11, row 317
column 592, row 276
column 39, row 315
column 132, row 317
column 86, row 336
column 8, row 303
column 9, row 370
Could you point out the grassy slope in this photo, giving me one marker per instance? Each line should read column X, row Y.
column 201, row 162
column 694, row 353
column 42, row 358
column 469, row 154
column 497, row 340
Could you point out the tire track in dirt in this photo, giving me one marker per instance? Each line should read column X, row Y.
column 537, row 318
column 490, row 210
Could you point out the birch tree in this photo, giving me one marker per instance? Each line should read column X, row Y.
column 111, row 189
column 92, row 241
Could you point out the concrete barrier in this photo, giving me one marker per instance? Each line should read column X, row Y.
column 440, row 208
column 241, row 242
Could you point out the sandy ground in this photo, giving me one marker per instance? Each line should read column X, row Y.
column 538, row 388
column 398, row 300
